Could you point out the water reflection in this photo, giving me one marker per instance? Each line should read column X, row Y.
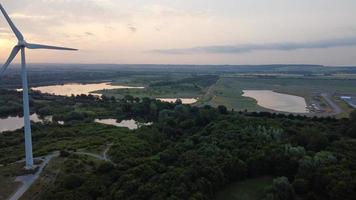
column 277, row 101
column 14, row 123
column 79, row 89
column 184, row 100
column 130, row 124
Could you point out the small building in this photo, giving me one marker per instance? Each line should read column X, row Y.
column 352, row 105
column 351, row 100
column 345, row 97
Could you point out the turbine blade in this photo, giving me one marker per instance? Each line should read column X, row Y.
column 40, row 46
column 13, row 54
column 12, row 25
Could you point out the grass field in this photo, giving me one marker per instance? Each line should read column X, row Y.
column 187, row 91
column 227, row 91
column 7, row 186
column 251, row 189
column 170, row 86
column 46, row 179
column 7, row 179
column 49, row 176
column 344, row 106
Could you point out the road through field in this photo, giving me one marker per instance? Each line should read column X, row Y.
column 332, row 104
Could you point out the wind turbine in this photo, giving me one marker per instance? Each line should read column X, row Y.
column 21, row 45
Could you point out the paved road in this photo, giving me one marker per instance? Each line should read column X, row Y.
column 332, row 104
column 28, row 180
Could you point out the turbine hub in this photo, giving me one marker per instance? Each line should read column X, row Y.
column 22, row 43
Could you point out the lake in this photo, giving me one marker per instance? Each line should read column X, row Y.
column 184, row 100
column 78, row 89
column 277, row 101
column 130, row 124
column 14, row 123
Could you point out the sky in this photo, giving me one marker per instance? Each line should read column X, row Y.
column 185, row 31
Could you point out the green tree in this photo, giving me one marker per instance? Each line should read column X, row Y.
column 282, row 189
column 222, row 109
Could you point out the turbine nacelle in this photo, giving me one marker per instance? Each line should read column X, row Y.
column 22, row 43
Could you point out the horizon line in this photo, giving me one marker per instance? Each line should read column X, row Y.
column 171, row 64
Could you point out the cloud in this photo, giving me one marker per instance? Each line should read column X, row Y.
column 89, row 33
column 5, row 33
column 26, row 16
column 157, row 10
column 131, row 28
column 244, row 48
column 4, row 30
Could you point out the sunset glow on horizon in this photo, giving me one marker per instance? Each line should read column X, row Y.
column 185, row 31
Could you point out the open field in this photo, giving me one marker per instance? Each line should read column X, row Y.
column 347, row 109
column 187, row 91
column 7, row 186
column 228, row 91
column 46, row 179
column 172, row 86
column 8, row 174
column 55, row 168
column 212, row 85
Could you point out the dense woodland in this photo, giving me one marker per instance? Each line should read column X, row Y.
column 188, row 152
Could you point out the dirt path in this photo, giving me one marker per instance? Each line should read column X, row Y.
column 28, row 180
column 97, row 156
column 106, row 158
column 103, row 156
column 209, row 95
column 332, row 104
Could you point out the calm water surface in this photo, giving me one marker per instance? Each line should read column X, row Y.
column 130, row 124
column 78, row 89
column 184, row 100
column 277, row 101
column 14, row 123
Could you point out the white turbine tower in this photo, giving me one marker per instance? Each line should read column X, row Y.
column 21, row 45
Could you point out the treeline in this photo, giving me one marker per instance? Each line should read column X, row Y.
column 198, row 80
column 191, row 153
column 10, row 103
